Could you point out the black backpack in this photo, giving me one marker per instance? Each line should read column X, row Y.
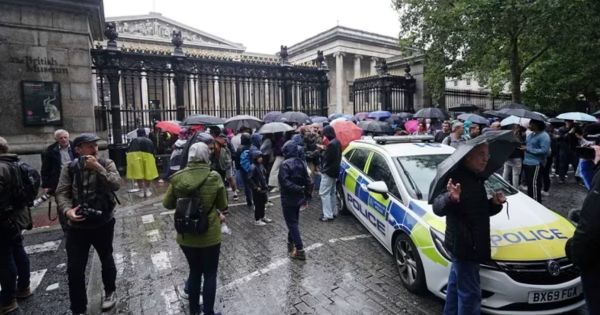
column 191, row 216
column 24, row 187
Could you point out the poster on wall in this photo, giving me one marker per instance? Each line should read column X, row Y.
column 41, row 103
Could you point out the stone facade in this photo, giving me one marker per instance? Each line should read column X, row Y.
column 47, row 41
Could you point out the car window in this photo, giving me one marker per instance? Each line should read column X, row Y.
column 359, row 158
column 418, row 172
column 380, row 171
column 348, row 154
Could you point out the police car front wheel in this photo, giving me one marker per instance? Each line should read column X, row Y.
column 409, row 264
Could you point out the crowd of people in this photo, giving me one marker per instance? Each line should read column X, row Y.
column 205, row 164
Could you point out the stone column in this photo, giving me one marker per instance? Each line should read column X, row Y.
column 217, row 95
column 144, row 100
column 373, row 65
column 339, row 78
column 357, row 59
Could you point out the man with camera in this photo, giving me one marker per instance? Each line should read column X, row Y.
column 85, row 195
column 56, row 155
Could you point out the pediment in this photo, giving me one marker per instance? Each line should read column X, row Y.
column 157, row 28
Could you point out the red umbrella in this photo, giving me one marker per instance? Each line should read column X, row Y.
column 411, row 125
column 346, row 131
column 169, row 126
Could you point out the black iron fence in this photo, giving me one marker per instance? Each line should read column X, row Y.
column 136, row 89
column 384, row 92
column 483, row 100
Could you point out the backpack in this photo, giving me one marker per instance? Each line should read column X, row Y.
column 245, row 162
column 24, row 187
column 191, row 216
column 221, row 156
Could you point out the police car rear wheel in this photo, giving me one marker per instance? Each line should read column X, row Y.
column 341, row 201
column 409, row 264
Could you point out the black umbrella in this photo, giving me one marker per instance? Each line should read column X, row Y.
column 430, row 112
column 514, row 106
column 523, row 113
column 474, row 118
column 501, row 144
column 206, row 120
column 464, row 108
column 295, row 118
column 374, row 126
column 556, row 121
column 404, row 115
column 495, row 113
column 275, row 127
column 239, row 121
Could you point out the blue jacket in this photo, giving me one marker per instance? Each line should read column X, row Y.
column 294, row 181
column 538, row 148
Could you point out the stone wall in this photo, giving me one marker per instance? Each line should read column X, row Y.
column 49, row 42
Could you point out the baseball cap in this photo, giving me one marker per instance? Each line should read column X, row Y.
column 85, row 137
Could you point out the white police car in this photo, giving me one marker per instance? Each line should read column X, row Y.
column 385, row 182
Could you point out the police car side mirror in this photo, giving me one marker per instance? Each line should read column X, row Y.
column 379, row 187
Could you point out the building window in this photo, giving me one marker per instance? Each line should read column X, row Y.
column 468, row 81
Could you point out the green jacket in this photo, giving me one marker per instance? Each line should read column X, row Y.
column 185, row 183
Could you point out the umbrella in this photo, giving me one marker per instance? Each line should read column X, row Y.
column 206, row 120
column 514, row 120
column 495, row 113
column 133, row 134
column 380, row 115
column 342, row 118
column 523, row 113
column 295, row 118
column 474, row 118
column 514, row 106
column 411, row 125
column 319, row 119
column 577, row 116
column 272, row 116
column 464, row 108
column 361, row 116
column 501, row 144
column 239, row 121
column 335, row 116
column 556, row 121
column 346, row 131
column 596, row 113
column 430, row 112
column 170, row 126
column 404, row 115
column 275, row 127
column 374, row 126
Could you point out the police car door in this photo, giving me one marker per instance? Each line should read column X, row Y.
column 378, row 206
column 355, row 183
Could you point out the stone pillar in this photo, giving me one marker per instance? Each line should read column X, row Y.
column 217, row 97
column 144, row 100
column 339, row 80
column 357, row 59
column 373, row 66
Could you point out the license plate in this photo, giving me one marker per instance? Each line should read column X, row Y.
column 549, row 296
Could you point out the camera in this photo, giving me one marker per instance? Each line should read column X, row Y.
column 88, row 212
column 41, row 199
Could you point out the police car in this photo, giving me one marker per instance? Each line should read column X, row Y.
column 384, row 182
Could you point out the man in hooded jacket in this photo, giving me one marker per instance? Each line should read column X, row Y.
column 330, row 169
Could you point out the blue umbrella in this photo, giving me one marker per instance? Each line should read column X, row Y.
column 319, row 119
column 577, row 116
column 380, row 115
column 272, row 116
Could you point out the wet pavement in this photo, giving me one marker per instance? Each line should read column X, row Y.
column 347, row 271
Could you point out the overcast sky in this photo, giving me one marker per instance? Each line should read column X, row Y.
column 263, row 25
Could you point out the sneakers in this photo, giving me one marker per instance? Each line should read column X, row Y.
column 266, row 220
column 5, row 309
column 545, row 193
column 148, row 193
column 109, row 301
column 325, row 219
column 270, row 203
column 23, row 294
column 298, row 254
column 290, row 248
column 141, row 194
column 274, row 190
column 235, row 197
column 259, row 222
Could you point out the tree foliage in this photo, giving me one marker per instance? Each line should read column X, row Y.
column 498, row 41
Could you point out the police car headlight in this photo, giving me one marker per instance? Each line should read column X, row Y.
column 438, row 240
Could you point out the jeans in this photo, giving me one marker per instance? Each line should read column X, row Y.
column 203, row 262
column 590, row 280
column 463, row 295
column 260, row 199
column 512, row 167
column 247, row 189
column 14, row 268
column 328, row 198
column 291, row 214
column 78, row 249
column 533, row 176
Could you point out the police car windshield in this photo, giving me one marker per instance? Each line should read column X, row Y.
column 422, row 170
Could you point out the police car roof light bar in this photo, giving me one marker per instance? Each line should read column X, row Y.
column 402, row 139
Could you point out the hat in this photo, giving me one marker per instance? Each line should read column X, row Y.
column 84, row 138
